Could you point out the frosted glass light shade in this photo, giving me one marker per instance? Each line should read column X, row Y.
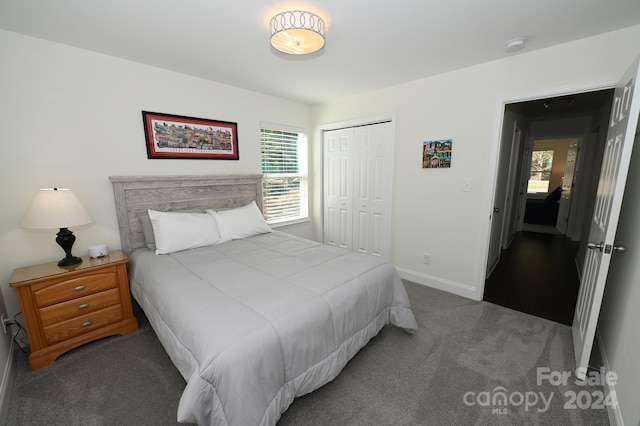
column 297, row 32
column 55, row 208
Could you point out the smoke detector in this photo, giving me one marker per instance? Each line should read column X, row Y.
column 514, row 45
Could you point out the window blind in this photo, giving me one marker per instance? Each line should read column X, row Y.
column 284, row 168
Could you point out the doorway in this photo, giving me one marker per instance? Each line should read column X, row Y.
column 537, row 275
column 538, row 268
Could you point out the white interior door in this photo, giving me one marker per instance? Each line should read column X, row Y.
column 567, row 188
column 372, row 182
column 620, row 137
column 338, row 188
column 513, row 199
column 523, row 183
column 499, row 209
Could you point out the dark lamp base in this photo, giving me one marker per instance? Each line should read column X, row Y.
column 68, row 261
column 66, row 239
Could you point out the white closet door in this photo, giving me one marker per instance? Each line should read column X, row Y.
column 372, row 181
column 338, row 188
column 358, row 174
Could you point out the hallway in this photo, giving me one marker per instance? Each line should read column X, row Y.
column 537, row 274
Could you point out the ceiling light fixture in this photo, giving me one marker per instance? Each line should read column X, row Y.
column 514, row 45
column 297, row 32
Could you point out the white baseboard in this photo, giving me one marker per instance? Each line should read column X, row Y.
column 615, row 416
column 6, row 384
column 463, row 290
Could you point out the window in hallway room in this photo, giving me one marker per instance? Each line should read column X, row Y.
column 541, row 162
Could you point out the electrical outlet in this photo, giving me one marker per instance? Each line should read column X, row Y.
column 426, row 258
column 5, row 322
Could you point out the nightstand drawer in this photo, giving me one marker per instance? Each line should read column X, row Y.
column 64, row 308
column 81, row 306
column 83, row 324
column 75, row 287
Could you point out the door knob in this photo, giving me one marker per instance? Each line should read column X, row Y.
column 617, row 249
column 496, row 210
column 591, row 245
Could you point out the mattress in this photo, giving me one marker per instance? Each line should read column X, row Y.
column 252, row 324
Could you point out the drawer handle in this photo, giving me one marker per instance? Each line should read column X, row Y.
column 86, row 324
column 79, row 288
column 83, row 306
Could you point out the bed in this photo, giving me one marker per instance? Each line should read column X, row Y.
column 258, row 318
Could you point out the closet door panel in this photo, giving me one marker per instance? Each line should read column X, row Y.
column 338, row 188
column 374, row 151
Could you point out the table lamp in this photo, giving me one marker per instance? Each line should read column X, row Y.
column 57, row 208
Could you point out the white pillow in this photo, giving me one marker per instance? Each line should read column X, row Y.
column 147, row 228
column 182, row 231
column 241, row 222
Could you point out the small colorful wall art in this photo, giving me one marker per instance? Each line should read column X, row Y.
column 436, row 154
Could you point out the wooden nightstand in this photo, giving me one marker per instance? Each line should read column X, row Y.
column 65, row 307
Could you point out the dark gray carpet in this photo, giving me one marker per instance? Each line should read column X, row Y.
column 462, row 348
column 119, row 380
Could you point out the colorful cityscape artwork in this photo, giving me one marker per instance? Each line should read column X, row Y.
column 175, row 136
column 436, row 154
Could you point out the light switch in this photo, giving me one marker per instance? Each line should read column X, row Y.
column 466, row 186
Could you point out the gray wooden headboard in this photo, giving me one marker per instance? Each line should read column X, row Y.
column 134, row 195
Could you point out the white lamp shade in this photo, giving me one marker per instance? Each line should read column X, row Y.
column 55, row 208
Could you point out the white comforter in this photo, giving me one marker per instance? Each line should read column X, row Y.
column 251, row 324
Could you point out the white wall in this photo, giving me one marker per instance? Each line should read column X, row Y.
column 72, row 118
column 431, row 212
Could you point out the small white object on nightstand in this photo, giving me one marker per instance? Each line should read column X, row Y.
column 98, row 250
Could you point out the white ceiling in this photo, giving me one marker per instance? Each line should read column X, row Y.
column 370, row 44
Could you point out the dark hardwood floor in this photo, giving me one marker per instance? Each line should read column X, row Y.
column 537, row 274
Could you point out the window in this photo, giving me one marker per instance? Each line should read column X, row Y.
column 541, row 162
column 284, row 169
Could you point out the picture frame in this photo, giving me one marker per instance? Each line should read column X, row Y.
column 170, row 136
column 436, row 154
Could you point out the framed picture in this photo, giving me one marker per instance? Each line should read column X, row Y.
column 175, row 136
column 437, row 154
